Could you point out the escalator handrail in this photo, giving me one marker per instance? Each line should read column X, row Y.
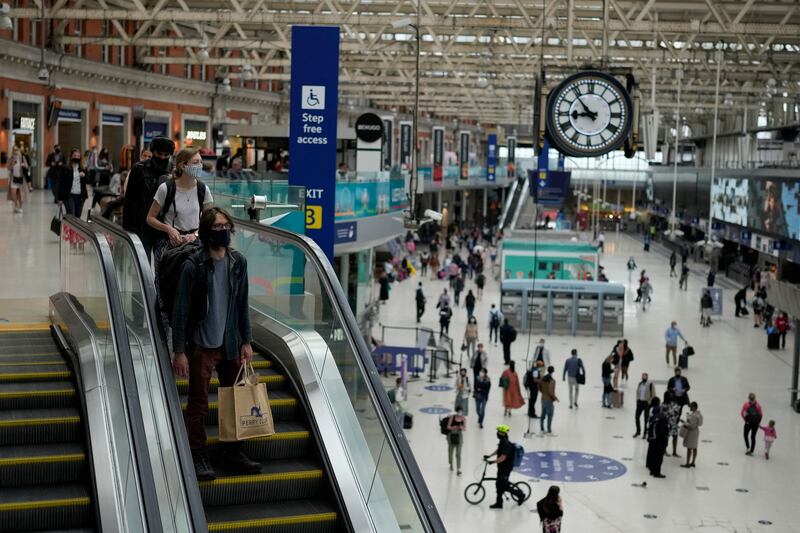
column 181, row 438
column 520, row 203
column 509, row 202
column 393, row 430
column 147, row 489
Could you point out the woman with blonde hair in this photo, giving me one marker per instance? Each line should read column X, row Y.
column 175, row 212
column 18, row 170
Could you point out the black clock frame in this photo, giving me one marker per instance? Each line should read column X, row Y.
column 556, row 141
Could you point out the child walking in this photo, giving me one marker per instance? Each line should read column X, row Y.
column 769, row 436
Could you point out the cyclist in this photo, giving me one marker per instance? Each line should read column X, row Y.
column 505, row 463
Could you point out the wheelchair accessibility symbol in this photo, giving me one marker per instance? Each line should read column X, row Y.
column 313, row 97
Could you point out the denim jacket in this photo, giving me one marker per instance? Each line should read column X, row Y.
column 191, row 303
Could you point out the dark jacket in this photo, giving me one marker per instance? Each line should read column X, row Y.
column 65, row 183
column 685, row 385
column 143, row 182
column 481, row 388
column 507, row 334
column 191, row 303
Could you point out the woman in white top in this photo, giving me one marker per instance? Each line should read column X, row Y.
column 176, row 209
column 17, row 168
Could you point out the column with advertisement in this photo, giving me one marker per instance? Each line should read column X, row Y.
column 463, row 155
column 438, row 154
column 388, row 143
column 491, row 157
column 512, row 157
column 405, row 145
column 312, row 126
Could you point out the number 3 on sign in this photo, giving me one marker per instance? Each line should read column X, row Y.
column 313, row 217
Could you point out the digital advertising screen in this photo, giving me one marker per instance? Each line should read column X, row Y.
column 766, row 212
column 730, row 200
column 790, row 199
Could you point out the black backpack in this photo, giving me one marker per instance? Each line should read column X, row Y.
column 443, row 423
column 169, row 201
column 169, row 273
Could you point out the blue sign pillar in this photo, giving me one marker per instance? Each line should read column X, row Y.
column 314, row 101
column 491, row 157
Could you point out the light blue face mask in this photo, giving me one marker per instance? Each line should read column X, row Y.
column 194, row 171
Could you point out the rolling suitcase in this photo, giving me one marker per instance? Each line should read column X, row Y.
column 617, row 398
column 773, row 341
column 408, row 420
column 683, row 360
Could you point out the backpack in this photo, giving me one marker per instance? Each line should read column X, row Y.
column 752, row 413
column 169, row 200
column 169, row 273
column 495, row 319
column 443, row 423
column 519, row 453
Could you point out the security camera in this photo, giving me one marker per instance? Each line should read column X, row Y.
column 43, row 74
column 433, row 215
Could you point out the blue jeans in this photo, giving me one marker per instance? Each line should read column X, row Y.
column 480, row 408
column 606, row 395
column 548, row 408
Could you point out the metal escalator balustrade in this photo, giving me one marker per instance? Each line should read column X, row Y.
column 45, row 480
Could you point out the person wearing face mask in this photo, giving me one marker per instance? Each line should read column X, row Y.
column 211, row 330
column 176, row 208
column 505, row 464
column 140, row 189
column 72, row 185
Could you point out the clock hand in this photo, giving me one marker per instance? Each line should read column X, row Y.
column 588, row 112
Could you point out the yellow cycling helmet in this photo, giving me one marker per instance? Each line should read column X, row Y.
column 503, row 428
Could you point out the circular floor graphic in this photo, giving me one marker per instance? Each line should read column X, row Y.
column 439, row 388
column 575, row 467
column 435, row 410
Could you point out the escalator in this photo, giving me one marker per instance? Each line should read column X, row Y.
column 361, row 476
column 510, row 204
column 523, row 199
column 45, row 480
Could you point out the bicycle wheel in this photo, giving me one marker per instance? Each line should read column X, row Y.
column 525, row 488
column 475, row 493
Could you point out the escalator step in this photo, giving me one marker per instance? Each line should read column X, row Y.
column 307, row 516
column 270, row 377
column 284, row 407
column 39, row 426
column 20, row 372
column 278, row 481
column 291, row 440
column 37, row 395
column 44, row 464
column 45, row 507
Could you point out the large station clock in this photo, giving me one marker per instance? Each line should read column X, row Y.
column 589, row 114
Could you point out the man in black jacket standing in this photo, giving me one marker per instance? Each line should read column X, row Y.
column 507, row 335
column 143, row 181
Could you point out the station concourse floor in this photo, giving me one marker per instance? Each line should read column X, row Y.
column 731, row 361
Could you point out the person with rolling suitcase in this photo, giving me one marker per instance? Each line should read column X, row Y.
column 683, row 358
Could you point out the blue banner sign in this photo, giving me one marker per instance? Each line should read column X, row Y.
column 312, row 126
column 549, row 188
column 69, row 114
column 154, row 129
column 346, row 232
column 491, row 157
column 113, row 118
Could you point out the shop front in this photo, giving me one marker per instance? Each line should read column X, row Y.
column 113, row 128
column 26, row 134
column 71, row 129
column 154, row 126
column 195, row 133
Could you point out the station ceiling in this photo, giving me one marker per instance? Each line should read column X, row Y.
column 479, row 58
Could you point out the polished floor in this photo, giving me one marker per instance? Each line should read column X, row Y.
column 731, row 361
column 726, row 492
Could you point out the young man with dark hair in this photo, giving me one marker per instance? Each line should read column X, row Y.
column 211, row 329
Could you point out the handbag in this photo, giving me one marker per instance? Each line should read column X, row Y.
column 55, row 223
column 463, row 346
column 683, row 432
column 581, row 379
column 504, row 383
column 244, row 410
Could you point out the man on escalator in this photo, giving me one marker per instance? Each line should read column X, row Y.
column 211, row 323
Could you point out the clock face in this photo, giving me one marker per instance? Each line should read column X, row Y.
column 589, row 114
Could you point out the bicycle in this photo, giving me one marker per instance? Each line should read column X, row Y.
column 474, row 493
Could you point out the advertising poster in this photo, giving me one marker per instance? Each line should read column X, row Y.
column 405, row 145
column 438, row 154
column 388, row 143
column 463, row 155
column 491, row 157
column 358, row 200
column 730, row 200
column 512, row 157
column 766, row 212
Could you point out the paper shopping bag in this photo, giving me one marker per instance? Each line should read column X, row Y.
column 244, row 411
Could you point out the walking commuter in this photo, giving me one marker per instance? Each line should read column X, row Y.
column 740, row 299
column 469, row 303
column 751, row 413
column 456, row 424
column 140, row 188
column 508, row 334
column 505, row 464
column 482, row 386
column 782, row 323
column 480, row 282
column 18, row 171
column 673, row 261
column 463, row 390
column 770, row 436
column 679, row 386
column 494, row 323
column 657, row 437
column 616, row 361
column 55, row 162
column 424, row 260
column 691, row 434
column 458, row 289
column 647, row 290
column 626, row 360
column 531, row 382
column 547, row 388
column 445, row 314
column 711, row 278
column 758, row 309
column 683, row 282
column 512, row 395
column 575, row 373
column 72, row 183
column 706, row 306
column 385, row 287
column 444, row 299
column 400, row 396
column 212, row 330
column 631, row 267
column 645, row 392
column 684, row 255
column 540, row 353
column 470, row 336
column 671, row 339
column 606, row 371
column 478, row 361
column 550, row 510
column 672, row 411
column 420, row 300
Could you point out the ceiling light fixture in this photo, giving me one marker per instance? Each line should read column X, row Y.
column 5, row 19
column 247, row 71
column 226, row 85
column 202, row 52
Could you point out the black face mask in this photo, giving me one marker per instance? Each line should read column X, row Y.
column 58, row 150
column 220, row 238
column 501, row 436
column 159, row 162
column 76, row 160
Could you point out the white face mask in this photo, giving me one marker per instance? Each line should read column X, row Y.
column 194, row 171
